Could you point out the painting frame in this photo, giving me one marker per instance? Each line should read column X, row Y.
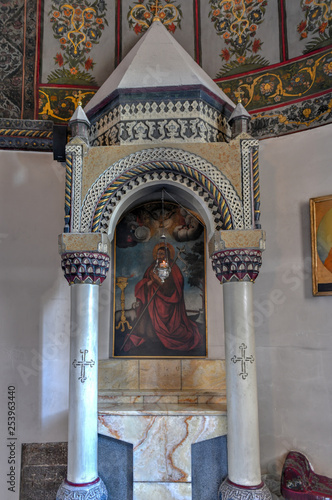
column 136, row 272
column 321, row 244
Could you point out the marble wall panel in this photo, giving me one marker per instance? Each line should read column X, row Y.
column 118, row 374
column 166, row 399
column 163, row 374
column 203, row 375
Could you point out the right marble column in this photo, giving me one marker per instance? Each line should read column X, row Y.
column 237, row 269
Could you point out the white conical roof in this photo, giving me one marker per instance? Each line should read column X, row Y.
column 239, row 112
column 79, row 116
column 157, row 60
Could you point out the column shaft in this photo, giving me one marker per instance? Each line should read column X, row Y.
column 83, row 385
column 242, row 410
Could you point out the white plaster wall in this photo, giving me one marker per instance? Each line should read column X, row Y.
column 294, row 329
column 34, row 304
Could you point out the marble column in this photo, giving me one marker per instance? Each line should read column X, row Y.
column 237, row 270
column 84, row 271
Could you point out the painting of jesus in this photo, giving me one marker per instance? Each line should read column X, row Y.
column 167, row 315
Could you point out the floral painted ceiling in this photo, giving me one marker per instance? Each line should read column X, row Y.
column 276, row 53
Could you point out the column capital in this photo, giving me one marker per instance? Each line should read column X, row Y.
column 237, row 254
column 85, row 267
column 84, row 257
column 237, row 264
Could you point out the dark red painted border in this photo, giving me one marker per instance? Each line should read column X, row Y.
column 37, row 67
column 82, row 484
column 23, row 65
column 197, row 25
column 283, row 29
column 242, row 487
column 118, row 33
column 65, row 86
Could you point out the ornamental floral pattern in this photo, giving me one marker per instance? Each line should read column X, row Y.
column 299, row 116
column 302, row 78
column 78, row 26
column 59, row 104
column 237, row 21
column 141, row 16
column 317, row 21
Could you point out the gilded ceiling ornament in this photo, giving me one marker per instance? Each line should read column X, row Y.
column 141, row 16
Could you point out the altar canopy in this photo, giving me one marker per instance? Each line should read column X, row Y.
column 151, row 130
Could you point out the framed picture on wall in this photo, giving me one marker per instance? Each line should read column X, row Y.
column 321, row 244
column 156, row 316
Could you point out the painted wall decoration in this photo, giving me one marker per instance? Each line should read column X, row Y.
column 237, row 21
column 59, row 104
column 141, row 16
column 301, row 115
column 316, row 22
column 278, row 52
column 77, row 26
column 321, row 244
column 18, row 25
column 282, row 83
column 151, row 317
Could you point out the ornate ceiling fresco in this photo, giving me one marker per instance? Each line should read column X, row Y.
column 276, row 53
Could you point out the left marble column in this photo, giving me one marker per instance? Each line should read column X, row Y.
column 84, row 270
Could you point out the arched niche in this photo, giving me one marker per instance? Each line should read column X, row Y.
column 183, row 195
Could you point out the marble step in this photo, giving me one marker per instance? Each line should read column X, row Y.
column 171, row 409
column 161, row 397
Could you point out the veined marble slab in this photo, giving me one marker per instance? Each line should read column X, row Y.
column 105, row 408
column 164, row 491
column 162, row 442
column 163, row 375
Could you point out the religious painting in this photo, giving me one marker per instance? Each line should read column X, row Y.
column 159, row 283
column 321, row 244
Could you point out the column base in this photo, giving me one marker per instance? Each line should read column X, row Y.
column 232, row 491
column 91, row 491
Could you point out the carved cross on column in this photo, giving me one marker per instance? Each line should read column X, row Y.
column 83, row 363
column 243, row 359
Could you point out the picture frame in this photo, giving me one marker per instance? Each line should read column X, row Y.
column 153, row 319
column 321, row 244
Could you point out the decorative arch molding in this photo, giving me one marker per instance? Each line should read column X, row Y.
column 163, row 163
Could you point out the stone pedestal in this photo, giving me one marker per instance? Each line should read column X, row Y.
column 84, row 270
column 163, row 408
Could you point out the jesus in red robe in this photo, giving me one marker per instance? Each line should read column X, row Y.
column 165, row 316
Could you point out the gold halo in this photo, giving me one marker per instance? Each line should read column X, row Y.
column 169, row 247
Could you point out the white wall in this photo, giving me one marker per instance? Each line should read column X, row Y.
column 294, row 331
column 294, row 334
column 34, row 307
